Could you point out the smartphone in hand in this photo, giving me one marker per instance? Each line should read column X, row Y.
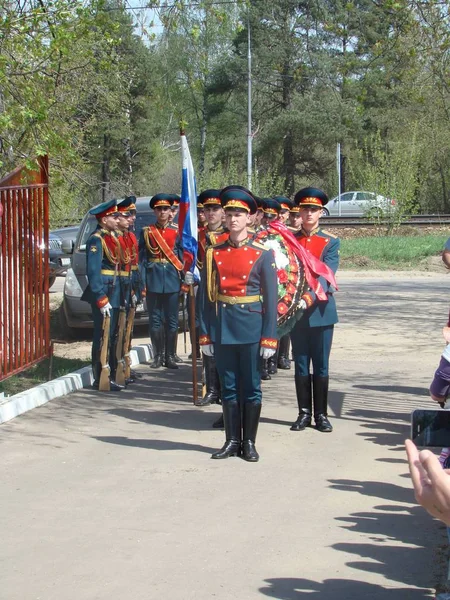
column 430, row 428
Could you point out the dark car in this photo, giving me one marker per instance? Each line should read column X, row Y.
column 59, row 241
column 76, row 314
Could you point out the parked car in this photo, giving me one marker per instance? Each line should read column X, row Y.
column 76, row 314
column 58, row 238
column 359, row 204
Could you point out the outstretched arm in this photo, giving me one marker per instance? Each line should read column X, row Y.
column 431, row 482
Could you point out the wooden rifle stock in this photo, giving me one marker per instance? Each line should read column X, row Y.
column 127, row 343
column 104, row 383
column 120, row 369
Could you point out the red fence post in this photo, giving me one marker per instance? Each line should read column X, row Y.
column 24, row 269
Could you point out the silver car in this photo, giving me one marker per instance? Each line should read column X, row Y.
column 359, row 204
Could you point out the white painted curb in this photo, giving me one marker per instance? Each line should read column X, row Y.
column 16, row 405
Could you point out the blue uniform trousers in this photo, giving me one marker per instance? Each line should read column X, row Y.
column 162, row 309
column 312, row 344
column 239, row 371
column 97, row 338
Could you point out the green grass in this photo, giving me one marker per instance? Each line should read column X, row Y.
column 390, row 252
column 40, row 374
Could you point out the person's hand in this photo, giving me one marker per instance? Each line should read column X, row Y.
column 189, row 278
column 208, row 349
column 133, row 301
column 431, row 482
column 266, row 352
column 302, row 304
column 106, row 310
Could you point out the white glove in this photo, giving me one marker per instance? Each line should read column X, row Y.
column 133, row 301
column 266, row 352
column 208, row 349
column 302, row 304
column 189, row 278
column 106, row 310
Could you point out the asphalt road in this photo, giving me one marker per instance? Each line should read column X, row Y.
column 113, row 496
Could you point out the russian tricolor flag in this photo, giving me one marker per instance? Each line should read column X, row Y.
column 187, row 217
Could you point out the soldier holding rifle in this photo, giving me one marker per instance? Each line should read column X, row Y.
column 129, row 282
column 238, row 321
column 103, row 290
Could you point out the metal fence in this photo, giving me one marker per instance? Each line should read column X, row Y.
column 24, row 269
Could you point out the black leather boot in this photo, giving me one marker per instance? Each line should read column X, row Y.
column 218, row 423
column 171, row 340
column 212, row 384
column 175, row 355
column 272, row 364
column 252, row 412
column 304, row 401
column 320, row 395
column 157, row 342
column 232, row 422
column 96, row 370
column 283, row 353
column 264, row 371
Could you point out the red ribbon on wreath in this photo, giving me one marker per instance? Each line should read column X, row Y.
column 313, row 266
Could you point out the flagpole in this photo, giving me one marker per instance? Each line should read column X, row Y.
column 192, row 321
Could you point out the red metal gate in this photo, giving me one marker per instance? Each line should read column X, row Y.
column 24, row 269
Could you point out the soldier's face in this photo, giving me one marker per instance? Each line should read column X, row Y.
column 213, row 215
column 268, row 217
column 163, row 214
column 201, row 217
column 110, row 222
column 295, row 220
column 258, row 216
column 284, row 215
column 310, row 217
column 236, row 220
column 123, row 223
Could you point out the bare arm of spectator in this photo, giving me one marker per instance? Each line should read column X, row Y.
column 431, row 482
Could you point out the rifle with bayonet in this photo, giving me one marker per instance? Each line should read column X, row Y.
column 127, row 342
column 120, row 368
column 104, row 383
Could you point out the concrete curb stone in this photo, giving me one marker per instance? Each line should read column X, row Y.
column 16, row 405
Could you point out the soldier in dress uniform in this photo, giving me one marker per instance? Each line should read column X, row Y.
column 131, row 286
column 175, row 209
column 313, row 334
column 285, row 204
column 295, row 218
column 201, row 219
column 161, row 256
column 103, row 290
column 212, row 234
column 271, row 212
column 238, row 321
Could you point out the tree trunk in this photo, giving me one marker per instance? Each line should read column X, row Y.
column 106, row 174
column 288, row 146
column 203, row 130
column 445, row 198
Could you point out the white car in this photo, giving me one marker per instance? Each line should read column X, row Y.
column 359, row 204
